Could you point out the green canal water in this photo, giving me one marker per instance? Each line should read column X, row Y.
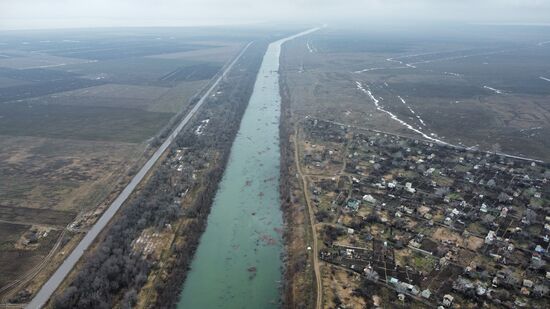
column 238, row 261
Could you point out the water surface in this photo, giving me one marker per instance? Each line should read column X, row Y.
column 238, row 261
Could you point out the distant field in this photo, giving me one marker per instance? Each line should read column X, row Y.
column 43, row 88
column 120, row 92
column 80, row 122
column 6, row 82
column 217, row 53
column 121, row 50
column 35, row 75
column 514, row 71
column 484, row 90
column 60, row 174
column 35, row 215
column 37, row 61
column 176, row 98
column 137, row 71
column 192, row 73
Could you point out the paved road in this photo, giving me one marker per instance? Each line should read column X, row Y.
column 55, row 280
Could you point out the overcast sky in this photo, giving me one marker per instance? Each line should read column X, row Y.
column 30, row 14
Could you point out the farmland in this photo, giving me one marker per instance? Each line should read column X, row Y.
column 484, row 91
column 79, row 112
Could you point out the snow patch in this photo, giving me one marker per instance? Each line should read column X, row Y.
column 200, row 128
column 452, row 74
column 493, row 90
column 310, row 48
column 368, row 70
column 367, row 91
column 411, row 110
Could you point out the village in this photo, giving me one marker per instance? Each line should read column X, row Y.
column 420, row 224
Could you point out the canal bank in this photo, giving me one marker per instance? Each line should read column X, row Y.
column 238, row 261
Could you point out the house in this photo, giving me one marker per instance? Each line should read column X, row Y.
column 426, row 293
column 429, row 171
column 353, row 204
column 409, row 188
column 490, row 238
column 369, row 199
column 406, row 209
column 370, row 273
column 409, row 288
column 448, row 300
column 504, row 212
column 539, row 249
column 527, row 283
column 413, row 243
column 483, row 208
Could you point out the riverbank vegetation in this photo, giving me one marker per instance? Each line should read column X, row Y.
column 298, row 288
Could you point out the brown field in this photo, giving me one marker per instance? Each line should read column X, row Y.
column 78, row 128
column 148, row 98
column 219, row 52
column 61, row 174
column 22, row 215
column 340, row 285
column 10, row 82
column 26, row 258
column 457, row 109
column 33, row 61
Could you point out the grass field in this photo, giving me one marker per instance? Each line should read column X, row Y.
column 80, row 122
column 483, row 90
column 35, row 215
column 61, row 174
column 135, row 71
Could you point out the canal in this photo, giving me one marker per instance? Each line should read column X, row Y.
column 238, row 261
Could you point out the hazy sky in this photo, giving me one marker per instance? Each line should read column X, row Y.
column 29, row 14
